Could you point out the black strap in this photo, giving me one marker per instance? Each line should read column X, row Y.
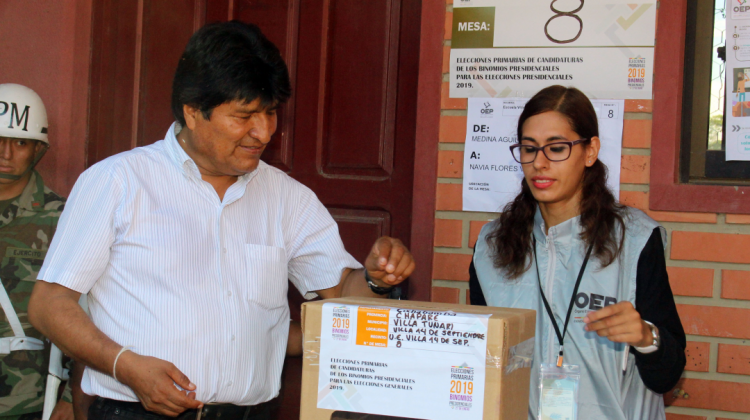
column 561, row 337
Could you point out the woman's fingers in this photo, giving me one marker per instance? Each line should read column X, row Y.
column 620, row 323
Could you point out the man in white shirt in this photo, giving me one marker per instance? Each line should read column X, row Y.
column 185, row 247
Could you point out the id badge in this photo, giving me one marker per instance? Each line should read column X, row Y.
column 558, row 392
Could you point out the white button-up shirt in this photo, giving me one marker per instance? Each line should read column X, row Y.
column 178, row 274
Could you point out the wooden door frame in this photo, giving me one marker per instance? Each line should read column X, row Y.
column 426, row 146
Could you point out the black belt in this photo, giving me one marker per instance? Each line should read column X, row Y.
column 210, row 411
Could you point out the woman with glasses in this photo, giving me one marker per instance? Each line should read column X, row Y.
column 593, row 270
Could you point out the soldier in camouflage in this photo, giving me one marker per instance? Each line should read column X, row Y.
column 29, row 212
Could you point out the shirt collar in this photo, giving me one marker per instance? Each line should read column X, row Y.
column 177, row 154
column 32, row 197
column 186, row 164
column 568, row 230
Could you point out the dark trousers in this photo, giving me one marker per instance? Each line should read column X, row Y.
column 106, row 409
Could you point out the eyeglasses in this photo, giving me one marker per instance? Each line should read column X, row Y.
column 554, row 152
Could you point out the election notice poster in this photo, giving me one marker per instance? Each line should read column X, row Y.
column 737, row 112
column 492, row 178
column 402, row 362
column 511, row 48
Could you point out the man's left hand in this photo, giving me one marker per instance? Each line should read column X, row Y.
column 389, row 262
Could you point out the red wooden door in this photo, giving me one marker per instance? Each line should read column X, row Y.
column 348, row 131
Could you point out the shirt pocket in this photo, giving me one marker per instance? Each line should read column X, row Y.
column 267, row 277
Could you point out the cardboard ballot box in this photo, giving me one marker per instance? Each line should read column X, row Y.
column 404, row 359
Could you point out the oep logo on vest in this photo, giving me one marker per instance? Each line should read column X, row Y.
column 587, row 302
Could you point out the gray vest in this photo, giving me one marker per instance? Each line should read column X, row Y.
column 605, row 391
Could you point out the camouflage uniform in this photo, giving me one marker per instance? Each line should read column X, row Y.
column 26, row 229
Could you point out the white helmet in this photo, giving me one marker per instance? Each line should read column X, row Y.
column 22, row 113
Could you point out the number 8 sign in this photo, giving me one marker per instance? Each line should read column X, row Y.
column 560, row 14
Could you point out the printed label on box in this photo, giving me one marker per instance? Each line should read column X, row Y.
column 402, row 362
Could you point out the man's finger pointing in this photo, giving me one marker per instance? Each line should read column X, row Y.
column 383, row 248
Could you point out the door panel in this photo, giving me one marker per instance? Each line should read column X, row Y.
column 279, row 21
column 361, row 228
column 135, row 49
column 357, row 89
column 354, row 116
column 158, row 62
column 114, row 27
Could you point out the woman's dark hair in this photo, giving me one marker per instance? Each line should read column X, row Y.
column 229, row 61
column 510, row 242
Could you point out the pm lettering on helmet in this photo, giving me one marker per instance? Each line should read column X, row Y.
column 22, row 113
column 19, row 117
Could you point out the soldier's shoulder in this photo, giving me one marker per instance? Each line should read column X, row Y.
column 52, row 200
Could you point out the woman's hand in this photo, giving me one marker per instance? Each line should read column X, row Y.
column 620, row 323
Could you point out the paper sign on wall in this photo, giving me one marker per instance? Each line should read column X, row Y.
column 737, row 112
column 492, row 178
column 511, row 48
column 402, row 362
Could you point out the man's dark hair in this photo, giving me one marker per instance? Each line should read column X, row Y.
column 229, row 61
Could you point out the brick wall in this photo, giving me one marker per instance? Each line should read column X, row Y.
column 708, row 256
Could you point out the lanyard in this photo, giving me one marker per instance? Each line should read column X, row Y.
column 561, row 337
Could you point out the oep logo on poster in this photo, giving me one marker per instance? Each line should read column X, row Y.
column 487, row 111
column 740, row 9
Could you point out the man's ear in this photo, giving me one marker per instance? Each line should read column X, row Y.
column 191, row 116
column 39, row 146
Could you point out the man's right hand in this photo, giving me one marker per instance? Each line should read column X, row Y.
column 54, row 311
column 153, row 381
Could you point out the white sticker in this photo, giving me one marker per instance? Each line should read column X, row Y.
column 402, row 362
column 492, row 178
